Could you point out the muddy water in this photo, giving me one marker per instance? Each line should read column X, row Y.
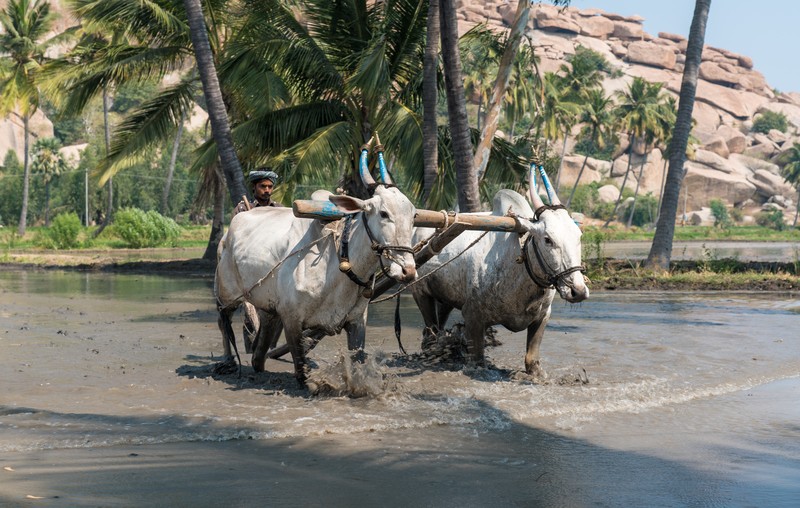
column 706, row 381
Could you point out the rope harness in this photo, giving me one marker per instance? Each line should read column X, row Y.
column 551, row 277
column 381, row 250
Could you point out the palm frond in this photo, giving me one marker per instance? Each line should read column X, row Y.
column 147, row 126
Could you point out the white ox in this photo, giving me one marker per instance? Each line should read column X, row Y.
column 505, row 279
column 289, row 269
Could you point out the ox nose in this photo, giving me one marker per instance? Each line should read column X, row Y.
column 578, row 294
column 409, row 273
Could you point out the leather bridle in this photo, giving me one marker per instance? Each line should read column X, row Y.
column 551, row 277
column 380, row 250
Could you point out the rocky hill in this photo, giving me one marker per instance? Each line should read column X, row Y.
column 731, row 163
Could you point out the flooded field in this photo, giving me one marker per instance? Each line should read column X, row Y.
column 96, row 361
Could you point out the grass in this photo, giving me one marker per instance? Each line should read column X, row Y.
column 704, row 274
column 191, row 237
column 698, row 233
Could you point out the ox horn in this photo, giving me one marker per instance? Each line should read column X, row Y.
column 533, row 192
column 385, row 178
column 363, row 167
column 551, row 193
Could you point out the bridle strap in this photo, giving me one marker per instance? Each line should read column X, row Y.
column 380, row 250
column 550, row 279
column 344, row 259
column 544, row 208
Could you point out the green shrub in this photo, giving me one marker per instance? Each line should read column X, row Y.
column 140, row 229
column 585, row 146
column 63, row 232
column 772, row 220
column 644, row 213
column 737, row 215
column 720, row 212
column 769, row 120
column 585, row 198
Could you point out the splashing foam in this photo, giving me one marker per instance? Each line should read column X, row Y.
column 347, row 378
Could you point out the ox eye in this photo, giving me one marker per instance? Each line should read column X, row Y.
column 548, row 241
column 384, row 214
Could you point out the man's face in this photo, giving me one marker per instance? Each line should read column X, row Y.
column 263, row 190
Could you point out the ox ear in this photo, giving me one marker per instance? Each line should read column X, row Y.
column 347, row 204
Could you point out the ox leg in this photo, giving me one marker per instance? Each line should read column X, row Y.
column 356, row 339
column 294, row 337
column 475, row 329
column 427, row 306
column 250, row 330
column 268, row 333
column 442, row 313
column 532, row 360
column 225, row 327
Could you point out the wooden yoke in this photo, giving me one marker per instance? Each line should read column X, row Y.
column 325, row 210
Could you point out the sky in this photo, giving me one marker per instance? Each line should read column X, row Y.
column 765, row 31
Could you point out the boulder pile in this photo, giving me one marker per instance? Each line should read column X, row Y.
column 731, row 162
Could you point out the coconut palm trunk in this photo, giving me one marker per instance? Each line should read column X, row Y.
column 217, row 113
column 172, row 160
column 661, row 189
column 561, row 163
column 492, row 116
column 110, row 184
column 430, row 94
column 636, row 192
column 578, row 178
column 217, row 222
column 26, row 176
column 622, row 187
column 661, row 249
column 466, row 178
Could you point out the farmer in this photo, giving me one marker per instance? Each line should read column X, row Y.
column 263, row 180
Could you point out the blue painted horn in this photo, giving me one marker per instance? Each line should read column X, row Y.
column 551, row 193
column 533, row 191
column 385, row 178
column 363, row 166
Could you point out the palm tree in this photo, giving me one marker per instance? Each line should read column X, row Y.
column 597, row 116
column 522, row 97
column 558, row 112
column 662, row 122
column 430, row 98
column 791, row 173
column 661, row 249
column 638, row 113
column 25, row 24
column 217, row 112
column 479, row 49
column 501, row 85
column 49, row 163
column 345, row 81
column 468, row 198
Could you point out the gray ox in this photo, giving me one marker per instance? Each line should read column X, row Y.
column 505, row 278
column 291, row 269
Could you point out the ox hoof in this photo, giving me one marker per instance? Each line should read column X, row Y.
column 359, row 356
column 536, row 371
column 258, row 364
